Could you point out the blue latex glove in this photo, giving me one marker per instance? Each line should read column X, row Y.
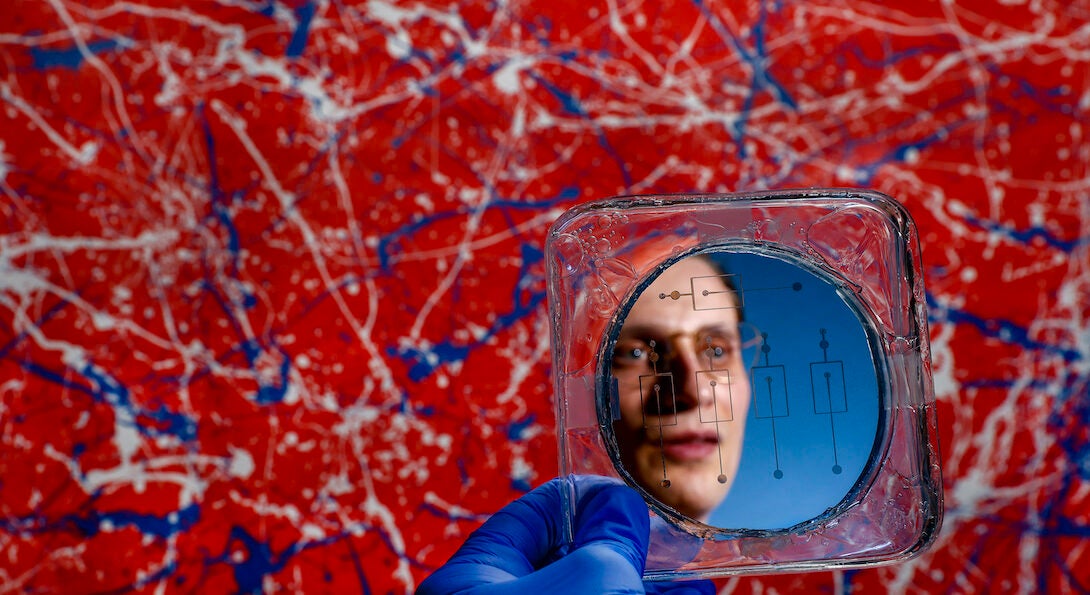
column 521, row 548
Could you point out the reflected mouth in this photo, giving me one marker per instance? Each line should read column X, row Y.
column 692, row 446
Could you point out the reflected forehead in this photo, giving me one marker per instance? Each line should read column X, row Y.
column 652, row 312
column 639, row 329
column 680, row 274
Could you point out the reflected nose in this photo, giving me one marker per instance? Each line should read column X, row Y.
column 681, row 391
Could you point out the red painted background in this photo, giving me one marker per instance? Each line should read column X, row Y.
column 272, row 305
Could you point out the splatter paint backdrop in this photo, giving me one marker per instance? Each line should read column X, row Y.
column 272, row 305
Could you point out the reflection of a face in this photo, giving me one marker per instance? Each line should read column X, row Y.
column 683, row 388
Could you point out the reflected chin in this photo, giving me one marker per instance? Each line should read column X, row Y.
column 694, row 488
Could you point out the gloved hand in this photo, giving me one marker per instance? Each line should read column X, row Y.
column 521, row 548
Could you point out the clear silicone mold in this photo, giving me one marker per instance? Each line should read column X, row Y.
column 757, row 366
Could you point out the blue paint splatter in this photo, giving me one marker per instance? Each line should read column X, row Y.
column 426, row 360
column 1003, row 383
column 261, row 561
column 848, row 576
column 758, row 61
column 48, row 315
column 901, row 152
column 258, row 562
column 570, row 103
column 148, row 524
column 70, row 57
column 516, row 429
column 220, row 204
column 166, row 423
column 105, row 389
column 1026, row 236
column 1003, row 330
column 266, row 8
column 387, row 245
column 1059, row 99
column 463, row 473
column 298, row 43
column 1067, row 425
column 941, row 44
column 274, row 392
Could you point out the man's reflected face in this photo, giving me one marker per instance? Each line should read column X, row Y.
column 683, row 388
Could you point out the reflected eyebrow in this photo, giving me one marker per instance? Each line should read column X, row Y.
column 643, row 330
column 726, row 329
column 629, row 331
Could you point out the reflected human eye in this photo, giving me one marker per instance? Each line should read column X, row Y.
column 632, row 353
column 720, row 346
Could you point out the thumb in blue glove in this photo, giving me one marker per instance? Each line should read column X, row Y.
column 522, row 549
